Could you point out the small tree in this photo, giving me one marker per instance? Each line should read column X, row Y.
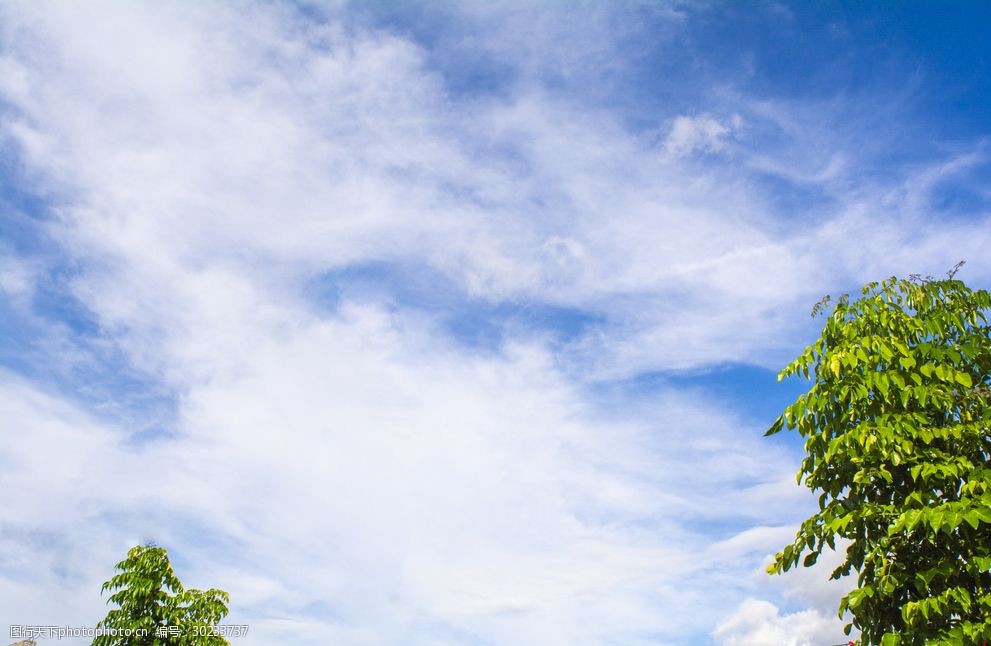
column 896, row 428
column 153, row 609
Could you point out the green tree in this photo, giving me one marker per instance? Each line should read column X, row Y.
column 153, row 608
column 897, row 441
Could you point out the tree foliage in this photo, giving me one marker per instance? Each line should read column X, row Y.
column 153, row 608
column 897, row 441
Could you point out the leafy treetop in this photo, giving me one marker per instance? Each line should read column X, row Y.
column 897, row 442
column 150, row 600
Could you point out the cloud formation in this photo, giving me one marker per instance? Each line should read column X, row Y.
column 759, row 623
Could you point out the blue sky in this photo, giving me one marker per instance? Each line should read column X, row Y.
column 453, row 323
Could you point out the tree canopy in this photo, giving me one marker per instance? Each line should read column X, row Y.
column 153, row 608
column 897, row 441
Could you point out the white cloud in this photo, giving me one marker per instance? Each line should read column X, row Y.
column 16, row 276
column 702, row 133
column 60, row 471
column 339, row 466
column 760, row 623
column 306, row 147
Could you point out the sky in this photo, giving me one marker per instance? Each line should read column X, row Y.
column 454, row 322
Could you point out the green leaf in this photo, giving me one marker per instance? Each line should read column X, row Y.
column 891, row 639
